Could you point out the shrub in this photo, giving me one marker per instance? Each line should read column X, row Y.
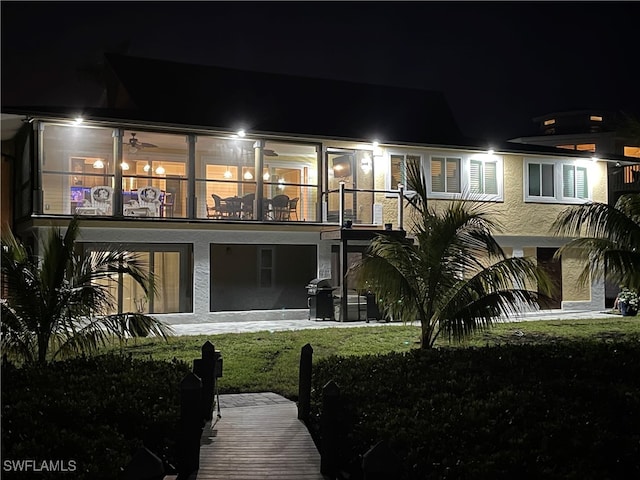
column 561, row 411
column 95, row 411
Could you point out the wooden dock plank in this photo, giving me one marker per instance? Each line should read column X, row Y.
column 258, row 438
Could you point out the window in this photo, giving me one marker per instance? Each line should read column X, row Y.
column 551, row 121
column 476, row 174
column 399, row 164
column 483, row 177
column 595, row 118
column 583, row 147
column 586, row 147
column 541, row 183
column 630, row 151
column 172, row 271
column 574, row 182
column 445, row 174
column 556, row 181
column 265, row 259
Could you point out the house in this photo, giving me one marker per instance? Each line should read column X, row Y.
column 236, row 186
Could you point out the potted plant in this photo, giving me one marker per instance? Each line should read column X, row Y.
column 628, row 302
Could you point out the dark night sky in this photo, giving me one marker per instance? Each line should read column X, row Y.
column 499, row 64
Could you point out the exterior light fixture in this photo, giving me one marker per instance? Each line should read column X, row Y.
column 375, row 144
column 594, row 159
column 78, row 120
column 124, row 166
column 160, row 170
column 147, row 167
column 98, row 164
column 248, row 175
column 241, row 133
column 227, row 173
column 491, row 151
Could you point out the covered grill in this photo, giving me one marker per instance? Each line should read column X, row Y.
column 320, row 299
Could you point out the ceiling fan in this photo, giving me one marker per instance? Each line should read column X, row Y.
column 135, row 144
column 269, row 153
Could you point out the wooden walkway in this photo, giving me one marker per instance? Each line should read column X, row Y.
column 258, row 437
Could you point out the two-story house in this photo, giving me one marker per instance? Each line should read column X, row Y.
column 236, row 187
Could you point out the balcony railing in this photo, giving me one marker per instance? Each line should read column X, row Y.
column 349, row 206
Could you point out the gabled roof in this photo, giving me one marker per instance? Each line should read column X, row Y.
column 171, row 92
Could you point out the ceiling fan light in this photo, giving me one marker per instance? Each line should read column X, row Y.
column 98, row 164
column 248, row 175
column 147, row 167
column 227, row 174
column 160, row 170
column 124, row 166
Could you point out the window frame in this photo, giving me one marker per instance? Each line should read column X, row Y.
column 185, row 250
column 484, row 159
column 465, row 176
column 558, row 180
column 405, row 154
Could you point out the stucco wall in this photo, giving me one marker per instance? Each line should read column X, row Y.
column 573, row 290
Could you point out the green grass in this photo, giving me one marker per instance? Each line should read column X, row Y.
column 268, row 361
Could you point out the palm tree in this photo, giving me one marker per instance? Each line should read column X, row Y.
column 454, row 278
column 54, row 306
column 610, row 239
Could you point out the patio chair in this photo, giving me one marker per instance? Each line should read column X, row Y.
column 293, row 207
column 149, row 198
column 100, row 202
column 247, row 205
column 280, row 204
column 220, row 208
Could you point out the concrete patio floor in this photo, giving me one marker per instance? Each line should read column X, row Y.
column 213, row 328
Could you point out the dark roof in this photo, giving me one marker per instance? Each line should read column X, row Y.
column 171, row 92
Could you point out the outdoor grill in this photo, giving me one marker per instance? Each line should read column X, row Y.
column 320, row 299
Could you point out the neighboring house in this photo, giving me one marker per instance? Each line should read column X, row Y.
column 242, row 220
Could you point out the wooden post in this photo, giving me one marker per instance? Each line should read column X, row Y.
column 191, row 425
column 304, row 383
column 144, row 466
column 381, row 463
column 330, row 429
column 205, row 368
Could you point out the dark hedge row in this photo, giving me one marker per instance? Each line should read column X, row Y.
column 94, row 411
column 560, row 411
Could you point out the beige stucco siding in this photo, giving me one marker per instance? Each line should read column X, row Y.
column 572, row 289
column 514, row 216
column 535, row 219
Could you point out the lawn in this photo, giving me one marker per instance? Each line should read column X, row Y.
column 100, row 409
column 268, row 361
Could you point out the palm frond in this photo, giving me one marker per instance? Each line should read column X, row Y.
column 59, row 304
column 609, row 240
